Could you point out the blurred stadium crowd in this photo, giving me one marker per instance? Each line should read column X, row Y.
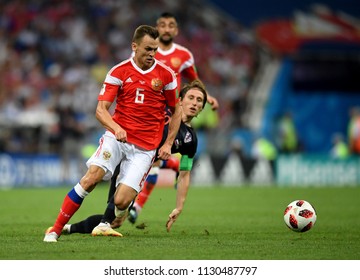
column 55, row 54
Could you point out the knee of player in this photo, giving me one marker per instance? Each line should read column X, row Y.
column 124, row 195
column 122, row 204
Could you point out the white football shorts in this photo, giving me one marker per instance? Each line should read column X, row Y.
column 135, row 161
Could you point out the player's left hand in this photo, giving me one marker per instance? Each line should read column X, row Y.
column 172, row 218
column 164, row 152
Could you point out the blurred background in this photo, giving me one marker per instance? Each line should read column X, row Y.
column 286, row 76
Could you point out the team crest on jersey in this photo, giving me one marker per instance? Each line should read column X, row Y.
column 175, row 62
column 156, row 84
column 106, row 155
column 188, row 137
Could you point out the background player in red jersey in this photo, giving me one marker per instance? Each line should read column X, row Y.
column 181, row 60
column 142, row 87
column 177, row 57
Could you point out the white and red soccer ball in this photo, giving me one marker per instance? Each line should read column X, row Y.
column 300, row 216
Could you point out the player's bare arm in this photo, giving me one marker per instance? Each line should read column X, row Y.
column 104, row 117
column 182, row 190
column 174, row 124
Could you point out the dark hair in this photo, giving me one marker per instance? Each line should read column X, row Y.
column 143, row 30
column 166, row 15
column 197, row 85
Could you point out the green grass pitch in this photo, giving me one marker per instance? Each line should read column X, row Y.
column 217, row 224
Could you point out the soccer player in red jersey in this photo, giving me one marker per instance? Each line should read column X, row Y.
column 142, row 88
column 181, row 60
column 192, row 101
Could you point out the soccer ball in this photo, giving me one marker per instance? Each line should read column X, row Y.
column 300, row 216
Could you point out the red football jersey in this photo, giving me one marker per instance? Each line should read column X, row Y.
column 180, row 60
column 141, row 98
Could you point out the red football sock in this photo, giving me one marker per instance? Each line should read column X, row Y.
column 172, row 163
column 145, row 193
column 67, row 210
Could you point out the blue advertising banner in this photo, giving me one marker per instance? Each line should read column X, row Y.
column 317, row 170
column 36, row 171
column 23, row 171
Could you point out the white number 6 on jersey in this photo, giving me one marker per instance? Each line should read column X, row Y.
column 139, row 98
